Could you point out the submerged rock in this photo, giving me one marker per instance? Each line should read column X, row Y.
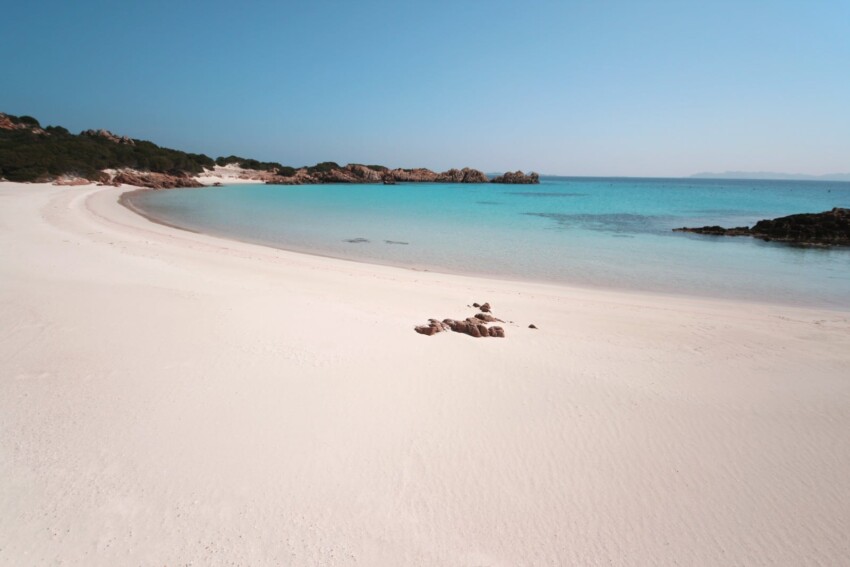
column 830, row 228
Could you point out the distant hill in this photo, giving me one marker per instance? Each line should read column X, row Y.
column 773, row 175
column 30, row 152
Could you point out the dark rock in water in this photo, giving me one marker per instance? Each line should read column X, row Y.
column 517, row 177
column 396, row 242
column 830, row 228
column 532, row 326
column 497, row 332
column 717, row 230
column 357, row 240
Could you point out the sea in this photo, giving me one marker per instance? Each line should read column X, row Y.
column 614, row 233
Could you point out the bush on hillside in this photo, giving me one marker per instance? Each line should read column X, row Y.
column 27, row 156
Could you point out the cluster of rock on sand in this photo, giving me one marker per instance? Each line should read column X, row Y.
column 475, row 326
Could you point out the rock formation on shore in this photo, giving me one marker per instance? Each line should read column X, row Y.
column 355, row 173
column 517, row 178
column 23, row 123
column 830, row 228
column 153, row 180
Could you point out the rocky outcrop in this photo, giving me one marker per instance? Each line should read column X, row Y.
column 830, row 228
column 418, row 175
column 20, row 123
column 106, row 134
column 6, row 122
column 465, row 175
column 366, row 174
column 355, row 173
column 517, row 177
column 171, row 180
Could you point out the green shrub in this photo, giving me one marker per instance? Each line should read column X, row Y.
column 323, row 167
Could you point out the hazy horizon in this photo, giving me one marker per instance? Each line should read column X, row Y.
column 650, row 89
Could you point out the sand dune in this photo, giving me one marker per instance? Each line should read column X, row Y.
column 171, row 398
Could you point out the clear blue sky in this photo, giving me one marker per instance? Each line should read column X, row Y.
column 572, row 87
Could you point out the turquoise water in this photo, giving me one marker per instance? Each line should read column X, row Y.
column 587, row 231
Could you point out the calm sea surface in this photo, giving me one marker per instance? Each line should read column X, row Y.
column 588, row 231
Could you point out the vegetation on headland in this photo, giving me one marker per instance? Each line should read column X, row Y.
column 30, row 152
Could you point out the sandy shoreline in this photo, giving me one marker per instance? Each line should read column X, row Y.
column 169, row 397
column 655, row 295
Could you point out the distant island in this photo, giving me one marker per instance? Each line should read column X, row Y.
column 32, row 153
column 770, row 175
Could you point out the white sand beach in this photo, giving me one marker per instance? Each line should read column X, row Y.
column 231, row 174
column 173, row 398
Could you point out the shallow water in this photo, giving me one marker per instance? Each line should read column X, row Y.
column 588, row 231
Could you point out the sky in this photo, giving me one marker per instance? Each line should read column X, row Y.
column 599, row 88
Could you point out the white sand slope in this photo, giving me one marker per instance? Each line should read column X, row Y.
column 170, row 398
column 231, row 174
